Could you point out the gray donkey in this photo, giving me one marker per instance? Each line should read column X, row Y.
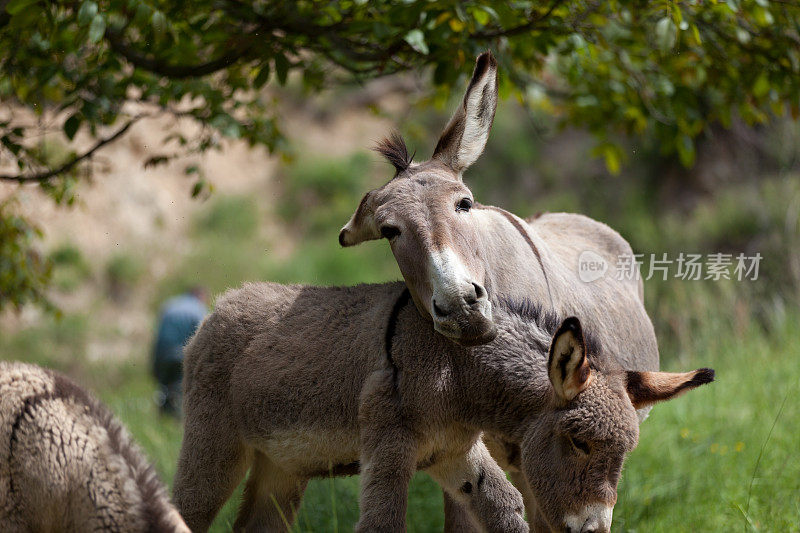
column 295, row 382
column 457, row 256
column 67, row 465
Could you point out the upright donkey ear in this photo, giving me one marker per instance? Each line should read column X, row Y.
column 568, row 366
column 464, row 138
column 647, row 388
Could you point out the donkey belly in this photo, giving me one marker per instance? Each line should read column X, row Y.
column 299, row 411
column 312, row 452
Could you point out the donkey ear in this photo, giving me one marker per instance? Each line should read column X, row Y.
column 361, row 226
column 567, row 365
column 465, row 136
column 647, row 388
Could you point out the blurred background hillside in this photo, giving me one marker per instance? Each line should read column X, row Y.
column 676, row 123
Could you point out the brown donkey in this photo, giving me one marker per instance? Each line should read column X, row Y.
column 458, row 256
column 294, row 382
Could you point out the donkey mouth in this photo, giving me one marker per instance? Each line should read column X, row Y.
column 473, row 330
column 485, row 338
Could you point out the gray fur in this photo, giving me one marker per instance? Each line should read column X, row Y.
column 66, row 464
column 294, row 382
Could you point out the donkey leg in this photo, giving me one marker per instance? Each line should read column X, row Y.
column 271, row 497
column 211, row 464
column 387, row 464
column 388, row 457
column 475, row 480
column 519, row 481
column 457, row 517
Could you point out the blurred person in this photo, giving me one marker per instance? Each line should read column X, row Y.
column 177, row 322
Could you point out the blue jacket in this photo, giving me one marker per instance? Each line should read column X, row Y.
column 177, row 322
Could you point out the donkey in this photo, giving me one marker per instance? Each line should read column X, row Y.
column 302, row 381
column 457, row 256
column 66, row 464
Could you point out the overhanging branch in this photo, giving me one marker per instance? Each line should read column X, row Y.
column 155, row 66
column 66, row 167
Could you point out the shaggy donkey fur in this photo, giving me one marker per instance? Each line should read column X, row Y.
column 66, row 464
column 295, row 382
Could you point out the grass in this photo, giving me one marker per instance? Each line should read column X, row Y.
column 723, row 457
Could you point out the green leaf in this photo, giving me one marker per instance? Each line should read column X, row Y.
column 71, row 126
column 97, row 28
column 159, row 22
column 16, row 6
column 416, row 40
column 613, row 159
column 686, row 151
column 263, row 76
column 666, row 34
column 197, row 188
column 281, row 68
column 761, row 86
column 86, row 13
column 481, row 16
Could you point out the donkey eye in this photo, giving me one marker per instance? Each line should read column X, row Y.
column 465, row 204
column 580, row 445
column 389, row 232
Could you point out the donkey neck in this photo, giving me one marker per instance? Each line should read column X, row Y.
column 507, row 379
column 516, row 258
column 500, row 387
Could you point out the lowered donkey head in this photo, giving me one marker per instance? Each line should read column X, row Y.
column 424, row 213
column 572, row 457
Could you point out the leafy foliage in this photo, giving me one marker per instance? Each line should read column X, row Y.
column 23, row 271
column 664, row 70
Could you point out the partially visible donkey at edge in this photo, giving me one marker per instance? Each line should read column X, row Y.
column 458, row 256
column 67, row 465
column 295, row 382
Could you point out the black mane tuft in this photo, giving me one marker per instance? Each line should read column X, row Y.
column 394, row 149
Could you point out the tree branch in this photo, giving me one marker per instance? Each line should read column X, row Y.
column 139, row 60
column 46, row 175
column 523, row 28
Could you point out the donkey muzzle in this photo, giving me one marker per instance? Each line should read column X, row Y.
column 467, row 320
column 595, row 518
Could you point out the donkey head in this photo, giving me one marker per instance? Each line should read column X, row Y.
column 572, row 457
column 424, row 212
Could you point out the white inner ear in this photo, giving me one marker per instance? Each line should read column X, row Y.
column 476, row 128
column 566, row 347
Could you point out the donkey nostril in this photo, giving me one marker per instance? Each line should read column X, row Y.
column 478, row 293
column 438, row 310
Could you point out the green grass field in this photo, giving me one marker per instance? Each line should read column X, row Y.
column 721, row 458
